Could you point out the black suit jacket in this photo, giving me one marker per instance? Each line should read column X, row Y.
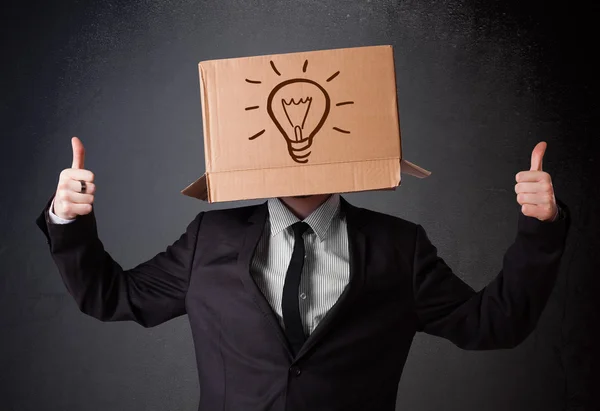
column 354, row 359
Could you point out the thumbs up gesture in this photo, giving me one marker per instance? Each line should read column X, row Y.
column 75, row 192
column 534, row 188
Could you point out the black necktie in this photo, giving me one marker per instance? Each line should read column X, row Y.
column 291, row 310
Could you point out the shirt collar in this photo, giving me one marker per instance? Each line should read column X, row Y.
column 280, row 217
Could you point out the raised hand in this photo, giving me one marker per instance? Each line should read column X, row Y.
column 534, row 188
column 69, row 200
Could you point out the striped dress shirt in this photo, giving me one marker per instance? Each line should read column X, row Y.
column 326, row 270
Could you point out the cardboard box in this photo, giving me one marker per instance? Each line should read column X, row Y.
column 300, row 123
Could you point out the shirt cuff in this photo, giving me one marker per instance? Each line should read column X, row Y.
column 56, row 219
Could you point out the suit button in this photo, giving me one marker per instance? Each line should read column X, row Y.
column 296, row 371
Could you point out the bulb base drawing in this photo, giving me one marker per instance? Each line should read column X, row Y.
column 300, row 150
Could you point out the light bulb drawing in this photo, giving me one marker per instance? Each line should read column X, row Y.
column 298, row 107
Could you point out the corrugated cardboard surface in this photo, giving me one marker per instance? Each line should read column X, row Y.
column 340, row 104
column 317, row 179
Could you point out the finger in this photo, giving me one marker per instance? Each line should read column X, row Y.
column 541, row 212
column 75, row 186
column 77, row 174
column 531, row 176
column 77, row 209
column 78, row 153
column 75, row 198
column 528, row 187
column 537, row 156
column 530, row 210
column 534, row 198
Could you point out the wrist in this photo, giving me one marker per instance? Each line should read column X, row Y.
column 56, row 219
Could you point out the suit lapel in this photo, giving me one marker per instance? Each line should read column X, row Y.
column 356, row 252
column 251, row 236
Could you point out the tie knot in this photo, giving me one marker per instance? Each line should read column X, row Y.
column 299, row 228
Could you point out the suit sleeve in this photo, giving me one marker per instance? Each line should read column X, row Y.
column 150, row 293
column 506, row 311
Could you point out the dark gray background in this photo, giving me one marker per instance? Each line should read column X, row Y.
column 477, row 88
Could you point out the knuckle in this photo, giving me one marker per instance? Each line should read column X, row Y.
column 91, row 175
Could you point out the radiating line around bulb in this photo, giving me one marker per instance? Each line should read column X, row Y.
column 334, row 75
column 274, row 68
column 256, row 135
column 341, row 131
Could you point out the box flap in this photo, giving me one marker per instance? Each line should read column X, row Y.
column 382, row 171
column 198, row 189
column 341, row 178
column 406, row 167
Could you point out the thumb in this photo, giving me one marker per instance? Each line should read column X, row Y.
column 78, row 153
column 537, row 156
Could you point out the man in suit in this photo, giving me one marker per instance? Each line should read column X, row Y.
column 308, row 303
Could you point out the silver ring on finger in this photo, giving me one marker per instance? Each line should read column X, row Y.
column 83, row 186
